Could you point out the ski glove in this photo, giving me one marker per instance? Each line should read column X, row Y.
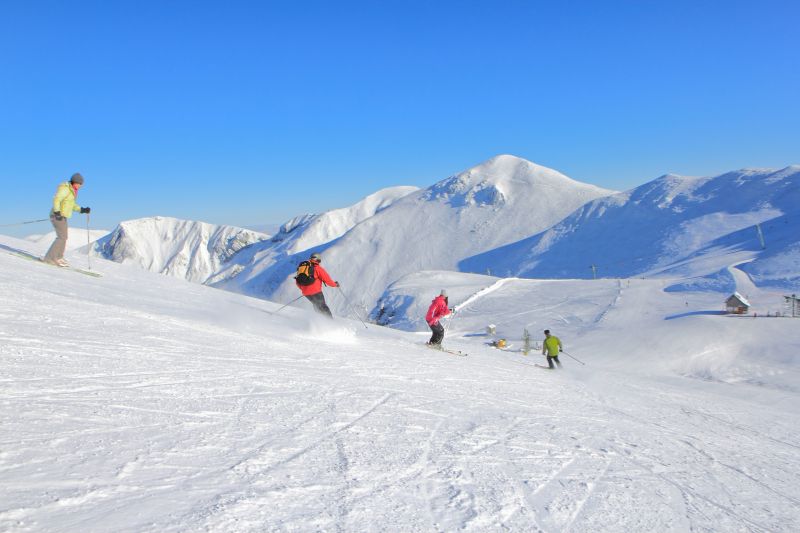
column 58, row 216
column 337, row 284
column 86, row 210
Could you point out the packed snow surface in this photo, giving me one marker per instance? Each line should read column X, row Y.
column 138, row 402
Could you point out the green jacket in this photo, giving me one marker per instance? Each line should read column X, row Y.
column 64, row 200
column 552, row 345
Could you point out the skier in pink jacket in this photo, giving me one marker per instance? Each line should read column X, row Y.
column 436, row 311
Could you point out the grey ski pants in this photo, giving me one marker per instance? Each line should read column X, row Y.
column 56, row 250
column 318, row 301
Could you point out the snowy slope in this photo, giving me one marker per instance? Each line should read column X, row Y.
column 138, row 402
column 180, row 248
column 674, row 225
column 494, row 203
column 598, row 314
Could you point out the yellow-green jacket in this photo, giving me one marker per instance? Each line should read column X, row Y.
column 552, row 344
column 64, row 200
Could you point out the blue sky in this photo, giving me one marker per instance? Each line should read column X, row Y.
column 253, row 112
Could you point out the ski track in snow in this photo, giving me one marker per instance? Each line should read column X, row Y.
column 165, row 409
column 499, row 284
column 744, row 284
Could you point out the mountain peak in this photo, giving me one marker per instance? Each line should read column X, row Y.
column 498, row 180
column 506, row 159
column 509, row 164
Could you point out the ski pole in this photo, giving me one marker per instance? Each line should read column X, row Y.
column 346, row 299
column 581, row 362
column 286, row 305
column 23, row 223
column 88, row 244
column 449, row 319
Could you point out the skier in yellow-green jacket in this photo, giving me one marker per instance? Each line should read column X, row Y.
column 551, row 347
column 64, row 204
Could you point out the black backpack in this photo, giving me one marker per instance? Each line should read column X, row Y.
column 305, row 273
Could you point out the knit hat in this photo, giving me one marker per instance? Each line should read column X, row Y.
column 443, row 293
column 76, row 178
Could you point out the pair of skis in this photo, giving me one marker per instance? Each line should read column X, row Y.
column 440, row 348
column 459, row 353
column 464, row 354
column 31, row 257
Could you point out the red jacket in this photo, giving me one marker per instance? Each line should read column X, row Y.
column 437, row 310
column 319, row 276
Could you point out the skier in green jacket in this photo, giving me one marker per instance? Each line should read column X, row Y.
column 64, row 205
column 551, row 347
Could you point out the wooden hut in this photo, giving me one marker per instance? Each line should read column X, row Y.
column 737, row 304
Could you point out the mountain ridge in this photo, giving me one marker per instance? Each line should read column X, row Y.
column 652, row 225
column 186, row 249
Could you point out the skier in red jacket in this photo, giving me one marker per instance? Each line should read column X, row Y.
column 436, row 311
column 313, row 291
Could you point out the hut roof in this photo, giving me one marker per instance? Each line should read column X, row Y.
column 739, row 297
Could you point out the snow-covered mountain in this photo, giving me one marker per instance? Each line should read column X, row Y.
column 201, row 252
column 303, row 233
column 507, row 217
column 494, row 203
column 179, row 248
column 307, row 231
column 674, row 225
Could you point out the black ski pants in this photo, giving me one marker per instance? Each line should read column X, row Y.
column 438, row 333
column 318, row 301
column 551, row 358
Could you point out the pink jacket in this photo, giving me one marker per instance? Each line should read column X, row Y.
column 437, row 310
